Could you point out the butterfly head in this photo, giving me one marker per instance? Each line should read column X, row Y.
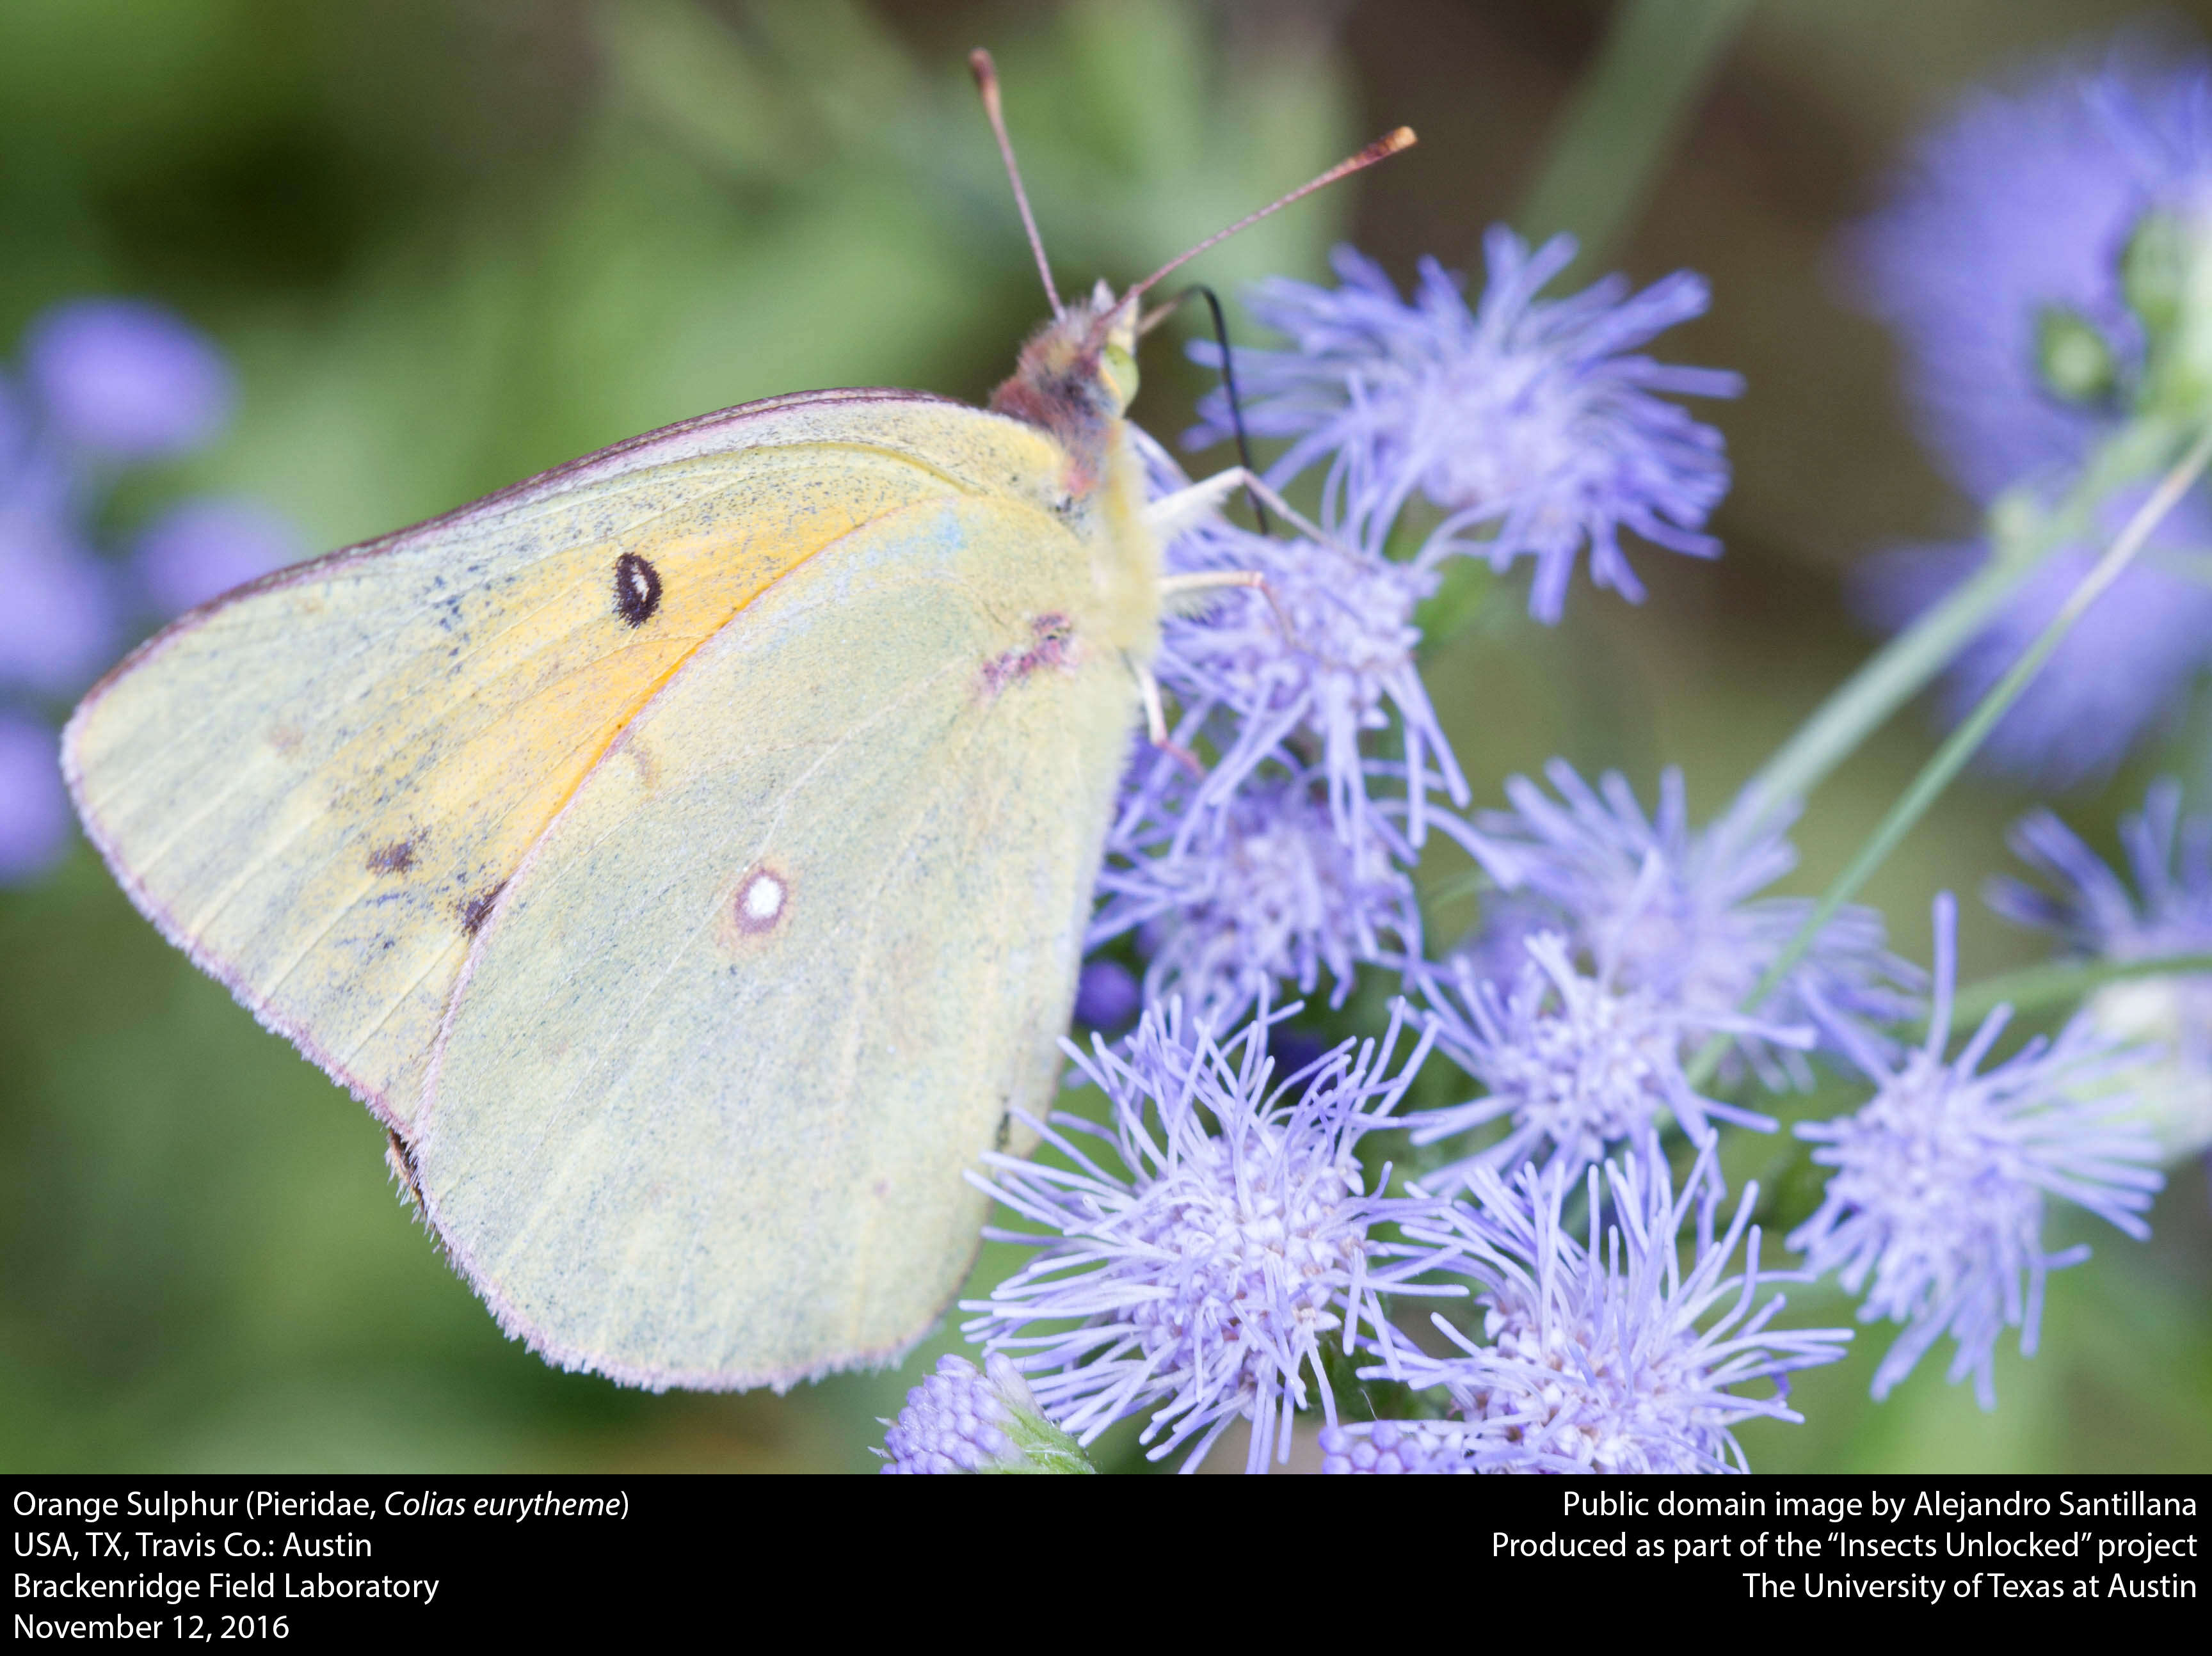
column 1076, row 377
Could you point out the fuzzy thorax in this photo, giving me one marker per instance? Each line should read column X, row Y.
column 1073, row 381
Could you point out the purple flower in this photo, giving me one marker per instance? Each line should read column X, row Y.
column 958, row 1420
column 2012, row 215
column 1198, row 1278
column 34, row 814
column 1317, row 661
column 1934, row 1209
column 2169, row 912
column 2124, row 669
column 1572, row 1064
column 62, row 620
column 1264, row 890
column 127, row 381
column 1659, row 909
column 1328, row 648
column 1520, row 416
column 1606, row 1357
column 1106, row 995
column 203, row 547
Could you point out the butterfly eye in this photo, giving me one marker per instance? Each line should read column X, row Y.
column 1120, row 370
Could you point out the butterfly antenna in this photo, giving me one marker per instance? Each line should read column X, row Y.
column 1389, row 144
column 986, row 82
column 1200, row 290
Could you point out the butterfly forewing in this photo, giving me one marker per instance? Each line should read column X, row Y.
column 320, row 786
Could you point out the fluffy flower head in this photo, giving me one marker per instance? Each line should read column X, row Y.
column 2169, row 913
column 1606, row 1356
column 1264, row 889
column 1934, row 1207
column 1328, row 648
column 1198, row 1278
column 1572, row 1064
column 1674, row 914
column 1520, row 416
column 2016, row 211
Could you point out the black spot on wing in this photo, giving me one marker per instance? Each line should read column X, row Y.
column 477, row 910
column 637, row 589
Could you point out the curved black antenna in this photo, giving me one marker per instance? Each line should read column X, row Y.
column 1229, row 389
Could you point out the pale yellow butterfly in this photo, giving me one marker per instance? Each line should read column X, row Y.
column 684, row 853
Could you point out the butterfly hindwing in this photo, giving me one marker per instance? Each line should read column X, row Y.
column 779, row 971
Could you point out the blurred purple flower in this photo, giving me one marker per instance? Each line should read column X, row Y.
column 2169, row 912
column 1522, row 415
column 1571, row 1063
column 1106, row 995
column 62, row 618
column 1200, row 1276
column 34, row 813
column 2018, row 208
column 2125, row 668
column 1606, row 1357
column 1653, row 906
column 1939, row 1183
column 1263, row 891
column 203, row 547
column 127, row 381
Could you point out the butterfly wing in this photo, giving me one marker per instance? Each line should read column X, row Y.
column 780, row 969
column 316, row 785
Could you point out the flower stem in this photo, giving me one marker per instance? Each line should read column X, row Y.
column 1959, row 746
column 2056, row 982
column 1620, row 122
column 2021, row 540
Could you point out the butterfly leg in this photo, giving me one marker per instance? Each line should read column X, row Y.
column 1171, row 514
column 1155, row 721
column 1208, row 581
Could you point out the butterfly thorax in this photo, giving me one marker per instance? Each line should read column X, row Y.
column 1073, row 381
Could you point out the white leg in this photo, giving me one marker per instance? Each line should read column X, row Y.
column 1156, row 721
column 1206, row 580
column 1169, row 515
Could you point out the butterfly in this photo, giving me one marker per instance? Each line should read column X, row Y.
column 685, row 853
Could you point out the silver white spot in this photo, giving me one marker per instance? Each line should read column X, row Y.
column 762, row 901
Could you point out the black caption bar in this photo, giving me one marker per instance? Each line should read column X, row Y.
column 233, row 1559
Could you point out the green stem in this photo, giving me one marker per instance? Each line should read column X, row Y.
column 1620, row 122
column 1959, row 746
column 2058, row 981
column 2021, row 540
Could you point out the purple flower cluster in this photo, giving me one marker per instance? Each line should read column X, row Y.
column 2002, row 261
column 1529, row 427
column 104, row 384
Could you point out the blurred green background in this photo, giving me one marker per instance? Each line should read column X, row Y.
column 451, row 242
